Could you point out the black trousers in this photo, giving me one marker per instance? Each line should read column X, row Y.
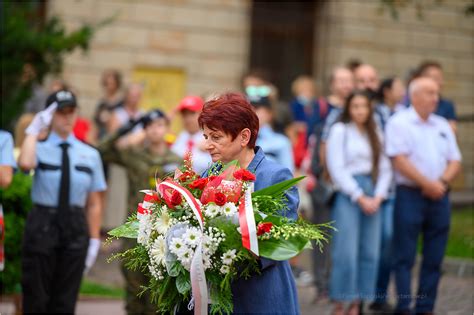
column 54, row 250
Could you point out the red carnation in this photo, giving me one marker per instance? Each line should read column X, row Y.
column 244, row 175
column 199, row 184
column 220, row 199
column 264, row 227
column 176, row 199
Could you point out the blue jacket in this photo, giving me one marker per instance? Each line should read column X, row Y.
column 274, row 290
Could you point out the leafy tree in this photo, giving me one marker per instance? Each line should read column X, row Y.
column 32, row 47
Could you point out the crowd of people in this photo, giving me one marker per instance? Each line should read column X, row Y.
column 379, row 156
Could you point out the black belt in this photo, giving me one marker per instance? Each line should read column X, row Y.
column 412, row 188
column 55, row 209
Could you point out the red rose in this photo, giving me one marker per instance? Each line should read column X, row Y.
column 220, row 199
column 199, row 184
column 244, row 175
column 212, row 177
column 176, row 198
column 264, row 227
column 186, row 176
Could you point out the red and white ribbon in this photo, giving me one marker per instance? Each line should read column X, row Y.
column 145, row 206
column 198, row 276
column 247, row 222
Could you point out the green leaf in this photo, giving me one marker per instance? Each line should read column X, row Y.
column 175, row 269
column 279, row 188
column 183, row 283
column 128, row 230
column 282, row 249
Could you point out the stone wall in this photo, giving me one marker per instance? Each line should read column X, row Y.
column 207, row 39
column 358, row 29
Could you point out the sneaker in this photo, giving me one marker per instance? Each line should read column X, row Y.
column 304, row 279
column 381, row 308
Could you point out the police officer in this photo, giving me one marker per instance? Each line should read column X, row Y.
column 426, row 160
column 61, row 236
column 7, row 165
column 142, row 162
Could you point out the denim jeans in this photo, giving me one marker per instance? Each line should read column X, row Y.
column 355, row 247
column 321, row 259
column 415, row 214
column 386, row 252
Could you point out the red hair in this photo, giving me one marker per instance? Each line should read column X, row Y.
column 230, row 113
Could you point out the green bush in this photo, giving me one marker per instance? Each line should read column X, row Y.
column 461, row 234
column 16, row 203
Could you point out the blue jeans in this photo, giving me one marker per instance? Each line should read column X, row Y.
column 355, row 248
column 415, row 214
column 386, row 252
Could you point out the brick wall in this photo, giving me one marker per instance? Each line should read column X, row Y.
column 208, row 39
column 358, row 29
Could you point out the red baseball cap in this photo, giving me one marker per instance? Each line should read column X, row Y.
column 192, row 103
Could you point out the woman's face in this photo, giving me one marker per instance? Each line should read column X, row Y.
column 359, row 109
column 110, row 84
column 397, row 92
column 220, row 145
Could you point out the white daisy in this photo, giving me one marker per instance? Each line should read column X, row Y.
column 158, row 250
column 224, row 269
column 163, row 222
column 186, row 257
column 228, row 257
column 192, row 237
column 177, row 246
column 229, row 209
column 211, row 210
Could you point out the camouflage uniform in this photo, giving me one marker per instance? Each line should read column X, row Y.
column 141, row 166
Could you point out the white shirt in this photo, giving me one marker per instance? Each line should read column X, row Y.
column 429, row 145
column 201, row 159
column 348, row 154
column 124, row 117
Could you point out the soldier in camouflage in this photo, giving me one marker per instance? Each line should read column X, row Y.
column 142, row 163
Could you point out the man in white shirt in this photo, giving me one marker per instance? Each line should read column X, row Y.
column 190, row 139
column 426, row 159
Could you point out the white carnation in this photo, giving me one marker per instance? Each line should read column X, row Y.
column 144, row 229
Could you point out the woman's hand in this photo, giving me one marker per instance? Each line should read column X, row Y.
column 367, row 204
column 377, row 200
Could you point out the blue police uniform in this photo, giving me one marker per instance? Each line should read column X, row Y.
column 6, row 149
column 85, row 169
column 56, row 232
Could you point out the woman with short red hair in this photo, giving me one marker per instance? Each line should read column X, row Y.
column 230, row 128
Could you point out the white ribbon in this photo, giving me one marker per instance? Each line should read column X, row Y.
column 198, row 276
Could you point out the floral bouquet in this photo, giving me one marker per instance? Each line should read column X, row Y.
column 195, row 235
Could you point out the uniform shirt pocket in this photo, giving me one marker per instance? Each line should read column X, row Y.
column 83, row 175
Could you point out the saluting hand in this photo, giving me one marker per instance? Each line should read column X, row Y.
column 42, row 120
